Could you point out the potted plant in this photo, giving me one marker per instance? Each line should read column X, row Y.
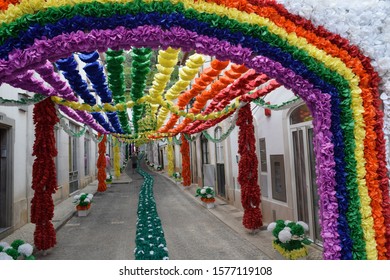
column 83, row 203
column 109, row 181
column 290, row 238
column 206, row 196
column 18, row 250
column 177, row 176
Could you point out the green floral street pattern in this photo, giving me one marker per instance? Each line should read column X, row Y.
column 150, row 241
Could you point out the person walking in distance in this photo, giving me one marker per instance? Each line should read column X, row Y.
column 134, row 159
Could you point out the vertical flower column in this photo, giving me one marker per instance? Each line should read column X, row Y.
column 101, row 165
column 117, row 157
column 44, row 181
column 247, row 170
column 185, row 154
column 171, row 165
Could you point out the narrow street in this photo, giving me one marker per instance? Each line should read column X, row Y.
column 108, row 232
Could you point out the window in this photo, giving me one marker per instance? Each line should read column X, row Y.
column 278, row 178
column 263, row 155
column 73, row 153
column 205, row 151
column 87, row 147
column 219, row 145
column 300, row 114
column 22, row 108
column 73, row 156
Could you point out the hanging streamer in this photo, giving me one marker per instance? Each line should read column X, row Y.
column 95, row 74
column 167, row 59
column 140, row 68
column 222, row 83
column 186, row 74
column 23, row 101
column 116, row 84
column 223, row 136
column 200, row 84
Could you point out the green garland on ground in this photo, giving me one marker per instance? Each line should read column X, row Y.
column 150, row 241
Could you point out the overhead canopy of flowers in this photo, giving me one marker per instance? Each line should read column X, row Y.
column 254, row 42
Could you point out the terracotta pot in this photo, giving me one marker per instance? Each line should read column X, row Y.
column 208, row 200
column 81, row 208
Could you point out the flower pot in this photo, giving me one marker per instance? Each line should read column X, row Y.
column 282, row 254
column 83, row 211
column 208, row 205
column 208, row 202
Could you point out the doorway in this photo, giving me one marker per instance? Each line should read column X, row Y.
column 5, row 178
column 303, row 171
column 220, row 163
column 194, row 163
column 73, row 160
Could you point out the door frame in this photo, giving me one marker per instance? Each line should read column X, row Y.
column 221, row 190
column 8, row 125
column 304, row 126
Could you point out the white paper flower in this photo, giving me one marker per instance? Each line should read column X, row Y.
column 5, row 257
column 286, row 222
column 304, row 225
column 271, row 226
column 4, row 244
column 203, row 191
column 90, row 196
column 77, row 197
column 287, row 228
column 151, row 252
column 87, row 200
column 25, row 249
column 284, row 236
column 6, row 248
column 209, row 196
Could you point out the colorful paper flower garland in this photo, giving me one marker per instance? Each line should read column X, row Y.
column 150, row 241
column 44, row 179
column 117, row 158
column 185, row 161
column 101, row 165
column 171, row 158
column 352, row 211
column 140, row 68
column 248, row 170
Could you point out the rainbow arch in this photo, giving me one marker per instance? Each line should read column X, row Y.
column 334, row 78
